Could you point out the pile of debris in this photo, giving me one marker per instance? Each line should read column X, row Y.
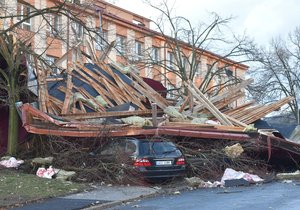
column 97, row 97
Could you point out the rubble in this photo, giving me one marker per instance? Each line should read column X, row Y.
column 196, row 182
column 47, row 173
column 99, row 99
column 234, row 151
column 231, row 174
column 39, row 161
column 11, row 162
column 286, row 176
column 64, row 175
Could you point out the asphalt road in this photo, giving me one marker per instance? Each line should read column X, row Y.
column 279, row 196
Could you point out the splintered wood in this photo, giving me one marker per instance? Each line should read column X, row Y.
column 97, row 87
column 93, row 91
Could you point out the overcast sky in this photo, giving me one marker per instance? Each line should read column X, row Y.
column 261, row 19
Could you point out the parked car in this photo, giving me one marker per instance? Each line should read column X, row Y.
column 151, row 158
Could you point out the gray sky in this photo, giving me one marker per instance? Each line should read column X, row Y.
column 261, row 19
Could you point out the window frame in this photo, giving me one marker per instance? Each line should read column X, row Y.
column 27, row 24
column 78, row 28
column 55, row 25
column 120, row 44
column 170, row 60
column 51, row 60
column 100, row 43
column 138, row 48
column 155, row 55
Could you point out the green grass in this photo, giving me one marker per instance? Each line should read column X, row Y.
column 17, row 188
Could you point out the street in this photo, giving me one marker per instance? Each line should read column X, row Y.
column 267, row 196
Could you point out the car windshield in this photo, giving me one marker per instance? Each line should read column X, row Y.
column 157, row 148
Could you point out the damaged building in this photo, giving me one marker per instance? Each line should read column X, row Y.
column 92, row 87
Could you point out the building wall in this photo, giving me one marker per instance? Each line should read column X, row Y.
column 115, row 21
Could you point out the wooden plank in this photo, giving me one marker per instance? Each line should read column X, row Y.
column 127, row 90
column 225, row 102
column 68, row 93
column 150, row 93
column 185, row 103
column 239, row 108
column 111, row 88
column 59, row 61
column 91, row 49
column 235, row 121
column 200, row 96
column 82, row 107
column 101, row 91
column 228, row 93
column 267, row 109
column 92, row 115
column 106, row 51
column 88, row 96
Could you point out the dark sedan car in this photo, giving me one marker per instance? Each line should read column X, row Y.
column 152, row 158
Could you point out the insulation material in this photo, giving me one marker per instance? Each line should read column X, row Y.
column 79, row 97
column 173, row 112
column 137, row 121
column 199, row 120
column 92, row 103
column 101, row 101
column 234, row 151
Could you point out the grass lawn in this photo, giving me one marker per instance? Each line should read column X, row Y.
column 17, row 188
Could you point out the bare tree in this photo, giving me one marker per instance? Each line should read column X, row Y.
column 187, row 44
column 277, row 72
column 16, row 44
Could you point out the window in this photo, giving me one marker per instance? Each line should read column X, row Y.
column 51, row 60
column 186, row 65
column 170, row 60
column 120, row 45
column 23, row 12
column 198, row 68
column 157, row 148
column 54, row 26
column 229, row 72
column 209, row 67
column 114, row 148
column 171, row 90
column 155, row 54
column 130, row 148
column 148, row 72
column 77, row 29
column 138, row 48
column 101, row 40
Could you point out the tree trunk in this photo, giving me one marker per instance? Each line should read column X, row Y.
column 13, row 126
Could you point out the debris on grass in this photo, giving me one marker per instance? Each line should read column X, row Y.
column 12, row 162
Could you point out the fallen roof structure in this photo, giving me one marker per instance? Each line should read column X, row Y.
column 93, row 99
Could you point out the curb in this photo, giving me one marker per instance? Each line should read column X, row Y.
column 119, row 202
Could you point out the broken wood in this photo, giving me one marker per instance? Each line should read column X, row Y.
column 200, row 96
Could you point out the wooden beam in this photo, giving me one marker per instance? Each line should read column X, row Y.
column 68, row 93
column 231, row 91
column 92, row 115
column 200, row 96
column 107, row 51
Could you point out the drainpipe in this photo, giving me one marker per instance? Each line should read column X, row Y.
column 165, row 71
column 99, row 11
